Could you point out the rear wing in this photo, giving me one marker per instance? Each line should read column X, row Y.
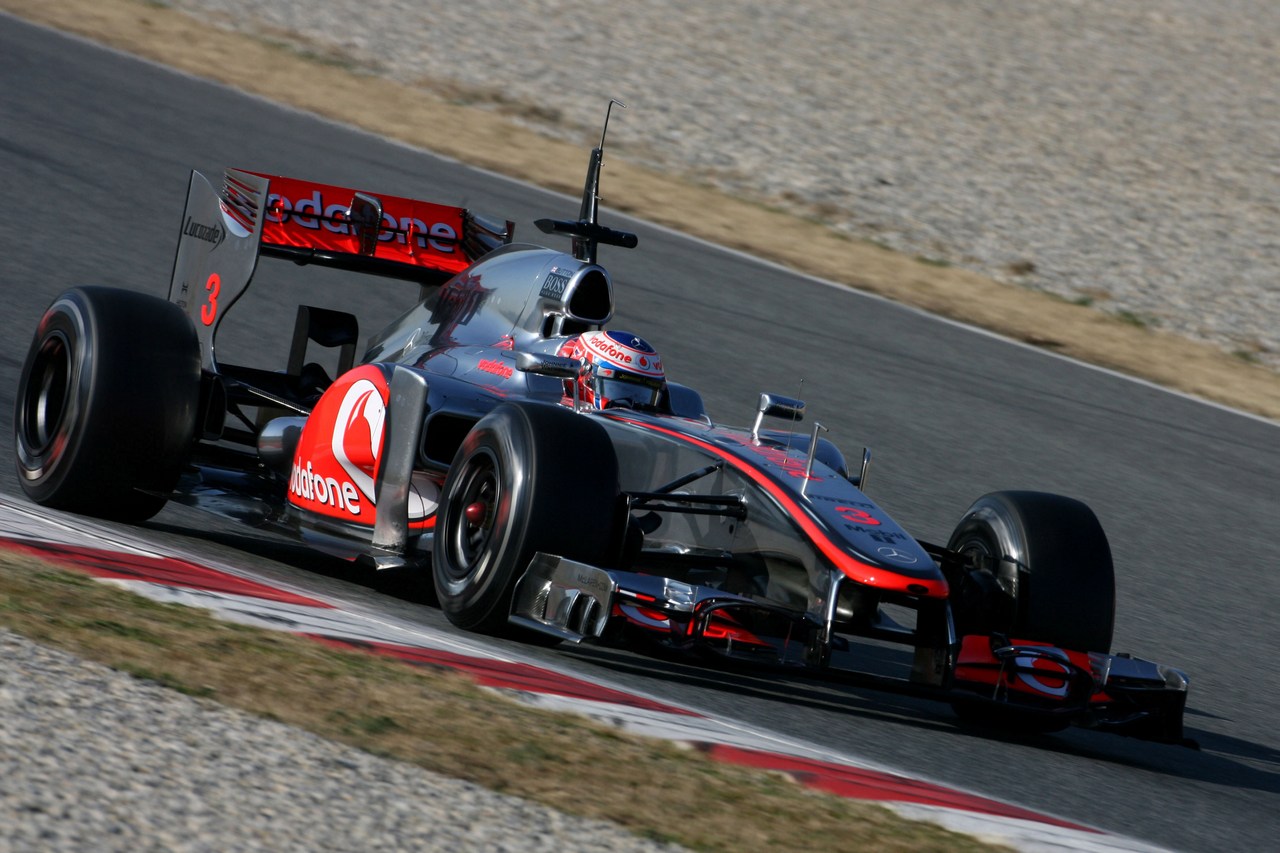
column 225, row 231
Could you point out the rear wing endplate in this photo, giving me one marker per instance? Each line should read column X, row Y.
column 225, row 231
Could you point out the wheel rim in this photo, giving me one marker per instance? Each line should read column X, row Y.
column 1003, row 616
column 45, row 403
column 472, row 510
column 990, row 553
column 976, row 545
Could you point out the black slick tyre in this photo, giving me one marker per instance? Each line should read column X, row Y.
column 1049, row 569
column 528, row 477
column 1052, row 559
column 106, row 404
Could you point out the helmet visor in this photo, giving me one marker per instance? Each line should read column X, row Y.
column 614, row 387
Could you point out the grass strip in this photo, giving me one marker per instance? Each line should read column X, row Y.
column 442, row 721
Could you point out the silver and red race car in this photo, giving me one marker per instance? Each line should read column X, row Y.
column 546, row 473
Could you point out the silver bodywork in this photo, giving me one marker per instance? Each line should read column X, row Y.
column 754, row 543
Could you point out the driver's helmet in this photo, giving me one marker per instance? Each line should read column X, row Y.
column 618, row 369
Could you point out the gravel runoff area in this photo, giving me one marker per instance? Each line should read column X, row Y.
column 1121, row 153
column 92, row 759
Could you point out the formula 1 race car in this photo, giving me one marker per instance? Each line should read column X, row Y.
column 545, row 471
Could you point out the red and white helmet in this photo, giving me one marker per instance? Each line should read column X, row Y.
column 618, row 369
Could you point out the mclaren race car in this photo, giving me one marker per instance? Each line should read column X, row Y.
column 545, row 472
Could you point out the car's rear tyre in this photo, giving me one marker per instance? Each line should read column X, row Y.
column 1051, row 577
column 528, row 478
column 106, row 405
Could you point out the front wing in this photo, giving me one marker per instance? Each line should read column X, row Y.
column 1030, row 684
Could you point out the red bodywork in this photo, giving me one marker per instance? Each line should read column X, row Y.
column 335, row 467
column 307, row 215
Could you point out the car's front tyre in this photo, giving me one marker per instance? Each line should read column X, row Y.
column 1050, row 557
column 1046, row 575
column 528, row 478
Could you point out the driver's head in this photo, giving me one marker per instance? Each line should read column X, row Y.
column 618, row 369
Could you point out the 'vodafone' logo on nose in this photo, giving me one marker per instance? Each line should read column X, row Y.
column 354, row 442
column 335, row 466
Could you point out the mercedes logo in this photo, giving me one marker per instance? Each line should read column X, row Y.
column 890, row 553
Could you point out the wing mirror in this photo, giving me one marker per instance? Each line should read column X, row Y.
column 548, row 365
column 776, row 406
column 559, row 366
